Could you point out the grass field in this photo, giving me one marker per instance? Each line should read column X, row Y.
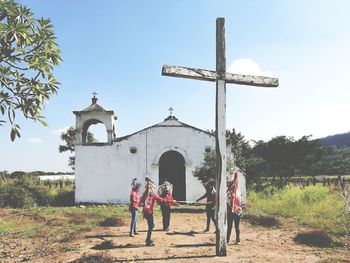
column 316, row 206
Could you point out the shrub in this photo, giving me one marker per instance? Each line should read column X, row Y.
column 15, row 196
column 65, row 198
column 26, row 192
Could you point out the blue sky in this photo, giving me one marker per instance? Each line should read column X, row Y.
column 117, row 48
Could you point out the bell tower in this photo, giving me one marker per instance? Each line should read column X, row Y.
column 92, row 115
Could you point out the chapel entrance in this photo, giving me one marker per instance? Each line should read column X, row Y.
column 172, row 169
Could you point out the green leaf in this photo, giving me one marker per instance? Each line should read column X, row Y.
column 13, row 134
column 43, row 123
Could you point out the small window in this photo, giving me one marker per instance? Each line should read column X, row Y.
column 207, row 149
column 133, row 150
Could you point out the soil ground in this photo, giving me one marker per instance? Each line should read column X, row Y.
column 184, row 242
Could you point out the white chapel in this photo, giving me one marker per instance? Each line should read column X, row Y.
column 170, row 150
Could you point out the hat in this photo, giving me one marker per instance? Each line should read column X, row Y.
column 166, row 186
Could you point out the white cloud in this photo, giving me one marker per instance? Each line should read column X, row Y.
column 58, row 132
column 247, row 66
column 35, row 140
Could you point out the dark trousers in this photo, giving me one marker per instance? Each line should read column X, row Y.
column 134, row 214
column 233, row 217
column 210, row 215
column 166, row 210
column 150, row 223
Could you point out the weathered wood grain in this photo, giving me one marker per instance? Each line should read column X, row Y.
column 209, row 75
column 220, row 136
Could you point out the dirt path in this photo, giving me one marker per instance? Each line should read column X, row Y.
column 184, row 242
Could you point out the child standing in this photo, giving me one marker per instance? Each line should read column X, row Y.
column 134, row 206
column 234, row 208
column 166, row 193
column 210, row 194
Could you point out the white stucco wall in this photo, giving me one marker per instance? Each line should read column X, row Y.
column 103, row 173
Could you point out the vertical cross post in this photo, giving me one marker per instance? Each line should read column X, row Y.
column 221, row 77
column 220, row 137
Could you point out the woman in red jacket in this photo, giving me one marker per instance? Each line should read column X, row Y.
column 134, row 206
column 148, row 200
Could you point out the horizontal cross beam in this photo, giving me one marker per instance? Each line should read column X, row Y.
column 209, row 75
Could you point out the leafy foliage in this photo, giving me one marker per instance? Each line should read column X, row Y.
column 284, row 156
column 15, row 196
column 27, row 192
column 65, row 197
column 28, row 54
column 207, row 170
column 239, row 147
column 69, row 138
column 24, row 192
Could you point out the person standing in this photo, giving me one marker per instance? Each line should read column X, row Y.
column 148, row 200
column 133, row 207
column 234, row 208
column 166, row 193
column 210, row 194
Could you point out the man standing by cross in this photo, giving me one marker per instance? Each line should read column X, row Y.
column 221, row 77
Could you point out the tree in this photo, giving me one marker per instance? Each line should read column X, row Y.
column 69, row 138
column 285, row 156
column 207, row 170
column 28, row 54
column 239, row 147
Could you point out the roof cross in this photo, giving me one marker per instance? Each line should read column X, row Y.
column 171, row 110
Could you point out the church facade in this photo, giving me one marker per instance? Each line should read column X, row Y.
column 170, row 150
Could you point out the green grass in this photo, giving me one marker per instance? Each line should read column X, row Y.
column 63, row 223
column 316, row 206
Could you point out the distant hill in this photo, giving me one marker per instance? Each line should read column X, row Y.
column 338, row 140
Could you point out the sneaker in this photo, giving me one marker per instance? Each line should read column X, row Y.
column 166, row 229
column 150, row 244
column 136, row 233
column 206, row 230
column 238, row 243
column 131, row 235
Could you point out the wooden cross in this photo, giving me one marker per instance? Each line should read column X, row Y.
column 171, row 110
column 221, row 77
column 94, row 94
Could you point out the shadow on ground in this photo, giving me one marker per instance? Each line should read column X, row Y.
column 185, row 210
column 316, row 238
column 106, row 236
column 162, row 259
column 190, row 233
column 196, row 245
column 260, row 220
column 108, row 244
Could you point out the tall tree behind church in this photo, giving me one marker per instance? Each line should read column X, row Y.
column 69, row 138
